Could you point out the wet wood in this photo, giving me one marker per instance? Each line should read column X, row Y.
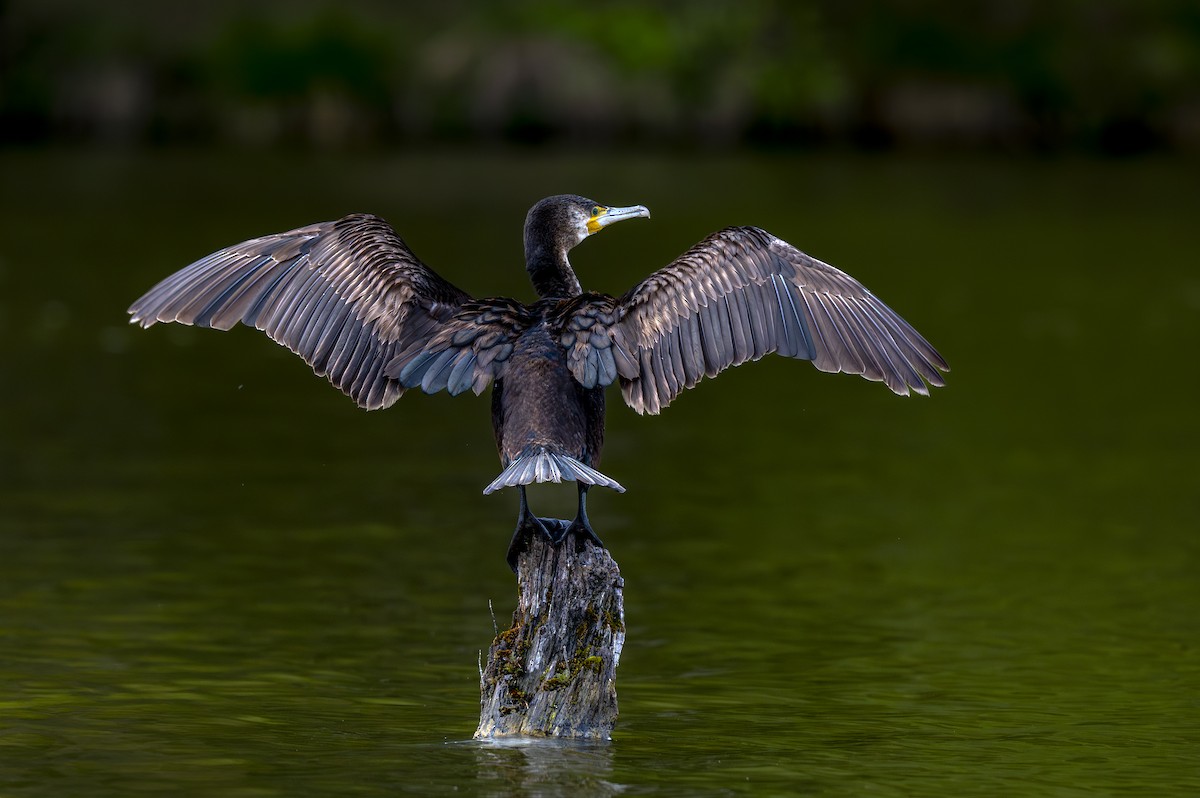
column 553, row 674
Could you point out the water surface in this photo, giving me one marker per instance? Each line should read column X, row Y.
column 217, row 576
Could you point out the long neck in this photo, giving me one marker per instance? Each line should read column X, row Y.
column 549, row 270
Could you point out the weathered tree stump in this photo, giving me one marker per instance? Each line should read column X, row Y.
column 553, row 674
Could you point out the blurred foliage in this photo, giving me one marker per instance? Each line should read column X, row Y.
column 1114, row 76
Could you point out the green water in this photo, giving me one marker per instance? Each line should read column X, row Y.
column 218, row 577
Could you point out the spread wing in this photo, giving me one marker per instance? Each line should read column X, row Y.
column 735, row 296
column 347, row 296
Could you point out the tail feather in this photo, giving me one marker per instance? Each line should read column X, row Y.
column 539, row 465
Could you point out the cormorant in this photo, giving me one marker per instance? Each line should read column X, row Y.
column 353, row 300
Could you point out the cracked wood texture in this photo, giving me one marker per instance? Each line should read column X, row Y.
column 553, row 674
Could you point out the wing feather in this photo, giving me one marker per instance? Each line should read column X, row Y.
column 673, row 364
column 742, row 293
column 735, row 317
column 691, row 349
column 785, row 329
column 346, row 296
column 716, row 336
column 467, row 352
column 762, row 329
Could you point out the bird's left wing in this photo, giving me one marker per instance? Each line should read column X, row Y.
column 735, row 296
column 347, row 296
column 588, row 334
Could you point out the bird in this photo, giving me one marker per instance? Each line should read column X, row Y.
column 353, row 300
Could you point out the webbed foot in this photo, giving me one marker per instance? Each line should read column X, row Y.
column 583, row 534
column 527, row 526
column 556, row 530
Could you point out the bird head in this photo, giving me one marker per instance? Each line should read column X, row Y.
column 570, row 218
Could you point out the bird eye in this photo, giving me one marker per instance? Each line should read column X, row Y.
column 596, row 211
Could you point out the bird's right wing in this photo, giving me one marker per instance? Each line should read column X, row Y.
column 468, row 351
column 347, row 296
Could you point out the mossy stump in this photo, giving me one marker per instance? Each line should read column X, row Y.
column 553, row 674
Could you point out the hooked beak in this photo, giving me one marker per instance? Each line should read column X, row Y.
column 606, row 216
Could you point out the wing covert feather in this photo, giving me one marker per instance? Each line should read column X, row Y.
column 468, row 351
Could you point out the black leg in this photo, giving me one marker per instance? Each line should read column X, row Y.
column 581, row 527
column 527, row 524
column 555, row 530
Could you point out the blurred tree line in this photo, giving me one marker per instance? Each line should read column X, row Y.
column 1109, row 76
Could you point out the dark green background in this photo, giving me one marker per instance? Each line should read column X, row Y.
column 1102, row 76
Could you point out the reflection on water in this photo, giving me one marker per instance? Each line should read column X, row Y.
column 545, row 768
column 218, row 576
